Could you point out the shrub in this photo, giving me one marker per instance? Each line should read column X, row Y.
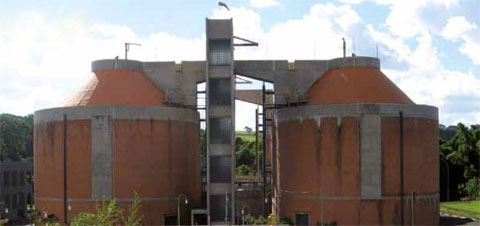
column 108, row 213
column 285, row 220
column 470, row 189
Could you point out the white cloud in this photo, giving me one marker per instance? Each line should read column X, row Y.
column 425, row 80
column 263, row 3
column 456, row 27
column 317, row 34
column 352, row 1
column 404, row 19
column 35, row 74
column 471, row 47
column 45, row 59
column 459, row 28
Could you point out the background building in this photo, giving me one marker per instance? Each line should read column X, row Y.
column 16, row 189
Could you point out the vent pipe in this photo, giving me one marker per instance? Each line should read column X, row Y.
column 344, row 48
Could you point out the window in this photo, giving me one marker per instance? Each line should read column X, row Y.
column 220, row 92
column 14, row 178
column 29, row 198
column 302, row 218
column 21, row 200
column 22, row 179
column 14, row 201
column 29, row 178
column 6, row 200
column 6, row 178
column 220, row 52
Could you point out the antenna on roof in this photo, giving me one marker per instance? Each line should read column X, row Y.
column 127, row 48
column 344, row 48
column 353, row 45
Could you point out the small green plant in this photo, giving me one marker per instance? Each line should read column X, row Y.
column 471, row 189
column 109, row 214
column 285, row 220
column 134, row 216
column 250, row 220
column 261, row 221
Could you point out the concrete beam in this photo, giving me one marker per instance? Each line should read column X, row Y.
column 356, row 110
column 264, row 70
column 253, row 96
column 117, row 112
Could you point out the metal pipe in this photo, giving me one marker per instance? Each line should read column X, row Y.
column 65, row 212
column 401, row 168
column 264, row 135
column 126, row 50
column 257, row 157
column 178, row 206
column 226, row 208
column 344, row 48
column 412, row 210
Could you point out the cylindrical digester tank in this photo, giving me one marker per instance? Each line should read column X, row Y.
column 116, row 137
column 340, row 156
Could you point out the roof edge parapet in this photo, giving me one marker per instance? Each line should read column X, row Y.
column 113, row 64
column 356, row 61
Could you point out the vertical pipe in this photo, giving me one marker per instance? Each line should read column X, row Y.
column 344, row 48
column 401, row 168
column 178, row 210
column 126, row 50
column 226, row 208
column 273, row 157
column 65, row 169
column 264, row 134
column 257, row 157
column 412, row 210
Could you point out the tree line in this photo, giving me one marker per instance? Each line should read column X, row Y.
column 16, row 137
column 459, row 161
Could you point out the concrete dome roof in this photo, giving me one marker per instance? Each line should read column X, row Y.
column 117, row 87
column 355, row 85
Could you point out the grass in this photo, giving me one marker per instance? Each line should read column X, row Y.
column 246, row 135
column 466, row 209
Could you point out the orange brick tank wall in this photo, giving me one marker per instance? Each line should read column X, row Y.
column 320, row 163
column 154, row 151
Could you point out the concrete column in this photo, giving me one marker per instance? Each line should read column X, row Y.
column 370, row 157
column 101, row 158
column 220, row 102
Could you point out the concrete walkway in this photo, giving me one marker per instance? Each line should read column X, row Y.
column 447, row 219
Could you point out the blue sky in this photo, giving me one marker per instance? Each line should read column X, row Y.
column 430, row 48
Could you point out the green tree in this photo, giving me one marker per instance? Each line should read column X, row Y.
column 462, row 150
column 471, row 189
column 16, row 137
column 245, row 156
